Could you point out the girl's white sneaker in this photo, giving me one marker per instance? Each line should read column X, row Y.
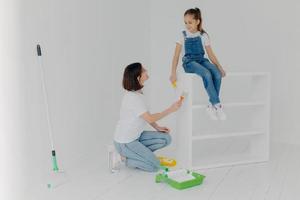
column 211, row 111
column 220, row 112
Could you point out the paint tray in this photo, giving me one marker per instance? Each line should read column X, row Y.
column 180, row 179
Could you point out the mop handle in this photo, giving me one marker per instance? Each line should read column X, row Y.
column 39, row 53
column 54, row 161
column 39, row 50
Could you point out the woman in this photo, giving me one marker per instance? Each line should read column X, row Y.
column 132, row 142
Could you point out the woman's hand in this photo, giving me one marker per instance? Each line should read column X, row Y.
column 173, row 77
column 163, row 129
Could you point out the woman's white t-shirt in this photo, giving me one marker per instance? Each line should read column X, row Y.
column 204, row 39
column 131, row 124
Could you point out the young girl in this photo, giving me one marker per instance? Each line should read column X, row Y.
column 195, row 46
column 130, row 139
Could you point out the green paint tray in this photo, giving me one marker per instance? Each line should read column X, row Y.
column 180, row 179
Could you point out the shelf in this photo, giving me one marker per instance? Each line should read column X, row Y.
column 238, row 87
column 247, row 160
column 247, row 74
column 239, row 119
column 242, row 138
column 229, row 74
column 201, row 106
column 230, row 150
column 225, row 135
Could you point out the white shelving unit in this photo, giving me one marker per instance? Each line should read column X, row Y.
column 242, row 138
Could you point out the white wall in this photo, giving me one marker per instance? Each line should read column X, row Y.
column 246, row 36
column 9, row 107
column 130, row 35
column 286, row 93
column 86, row 45
column 70, row 34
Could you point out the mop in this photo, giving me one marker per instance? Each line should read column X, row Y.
column 56, row 176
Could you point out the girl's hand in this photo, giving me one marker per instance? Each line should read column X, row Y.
column 175, row 106
column 223, row 73
column 163, row 129
column 173, row 78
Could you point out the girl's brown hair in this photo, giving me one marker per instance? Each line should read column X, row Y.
column 130, row 77
column 196, row 13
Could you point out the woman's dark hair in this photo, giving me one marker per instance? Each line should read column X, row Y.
column 196, row 13
column 130, row 77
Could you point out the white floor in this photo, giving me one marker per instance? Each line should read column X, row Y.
column 279, row 179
